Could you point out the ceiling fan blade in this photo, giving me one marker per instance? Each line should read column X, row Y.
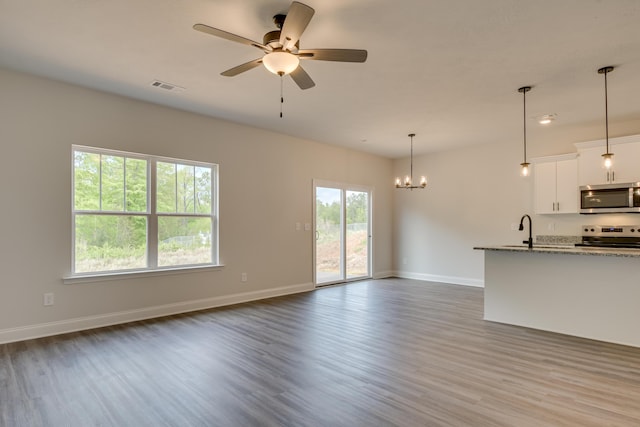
column 302, row 79
column 242, row 68
column 229, row 36
column 295, row 23
column 340, row 55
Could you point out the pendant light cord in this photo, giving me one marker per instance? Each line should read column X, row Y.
column 411, row 167
column 524, row 90
column 606, row 110
column 524, row 121
column 605, row 71
column 281, row 92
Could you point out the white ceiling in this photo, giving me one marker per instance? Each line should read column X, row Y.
column 446, row 70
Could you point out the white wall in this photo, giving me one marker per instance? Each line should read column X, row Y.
column 265, row 188
column 473, row 198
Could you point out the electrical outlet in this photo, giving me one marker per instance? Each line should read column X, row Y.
column 48, row 299
column 243, row 277
column 307, row 226
column 551, row 226
column 298, row 226
column 514, row 226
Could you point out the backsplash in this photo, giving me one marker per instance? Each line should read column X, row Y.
column 558, row 240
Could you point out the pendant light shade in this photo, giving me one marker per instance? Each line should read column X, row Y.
column 607, row 157
column 407, row 182
column 524, row 166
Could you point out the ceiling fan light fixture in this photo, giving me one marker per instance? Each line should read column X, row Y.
column 280, row 62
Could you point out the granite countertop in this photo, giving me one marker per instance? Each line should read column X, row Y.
column 564, row 249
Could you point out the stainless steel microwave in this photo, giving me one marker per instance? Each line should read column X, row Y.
column 610, row 198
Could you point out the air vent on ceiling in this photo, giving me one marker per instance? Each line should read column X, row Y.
column 166, row 86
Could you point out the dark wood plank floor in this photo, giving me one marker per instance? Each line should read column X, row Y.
column 372, row 353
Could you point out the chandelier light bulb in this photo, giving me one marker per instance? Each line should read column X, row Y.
column 423, row 181
column 608, row 160
column 398, row 182
column 407, row 181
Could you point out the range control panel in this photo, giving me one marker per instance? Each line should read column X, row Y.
column 611, row 230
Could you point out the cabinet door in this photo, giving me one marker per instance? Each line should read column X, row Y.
column 591, row 168
column 626, row 162
column 567, row 186
column 545, row 187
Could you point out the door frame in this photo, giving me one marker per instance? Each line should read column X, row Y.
column 344, row 187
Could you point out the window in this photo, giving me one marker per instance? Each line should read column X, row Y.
column 140, row 212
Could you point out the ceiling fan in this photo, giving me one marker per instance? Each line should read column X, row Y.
column 282, row 53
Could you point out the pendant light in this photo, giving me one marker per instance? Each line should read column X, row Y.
column 408, row 179
column 524, row 166
column 608, row 157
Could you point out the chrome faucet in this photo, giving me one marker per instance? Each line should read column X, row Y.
column 530, row 241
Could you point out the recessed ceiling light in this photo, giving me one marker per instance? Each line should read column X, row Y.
column 546, row 118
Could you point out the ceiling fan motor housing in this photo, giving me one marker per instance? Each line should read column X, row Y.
column 271, row 37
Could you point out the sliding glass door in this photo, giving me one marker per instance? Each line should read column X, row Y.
column 342, row 224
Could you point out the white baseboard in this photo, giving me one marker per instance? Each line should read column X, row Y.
column 455, row 280
column 89, row 322
column 383, row 274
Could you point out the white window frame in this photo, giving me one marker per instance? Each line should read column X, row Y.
column 152, row 219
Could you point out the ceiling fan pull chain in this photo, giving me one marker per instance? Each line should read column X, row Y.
column 281, row 93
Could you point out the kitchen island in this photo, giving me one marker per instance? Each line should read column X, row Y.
column 586, row 292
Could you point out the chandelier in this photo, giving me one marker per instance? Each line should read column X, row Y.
column 407, row 183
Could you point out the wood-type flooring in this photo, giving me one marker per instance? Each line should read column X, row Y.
column 391, row 352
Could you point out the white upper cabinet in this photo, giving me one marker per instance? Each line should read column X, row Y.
column 591, row 168
column 556, row 184
column 626, row 161
column 567, row 186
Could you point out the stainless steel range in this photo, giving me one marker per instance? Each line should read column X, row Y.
column 611, row 236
